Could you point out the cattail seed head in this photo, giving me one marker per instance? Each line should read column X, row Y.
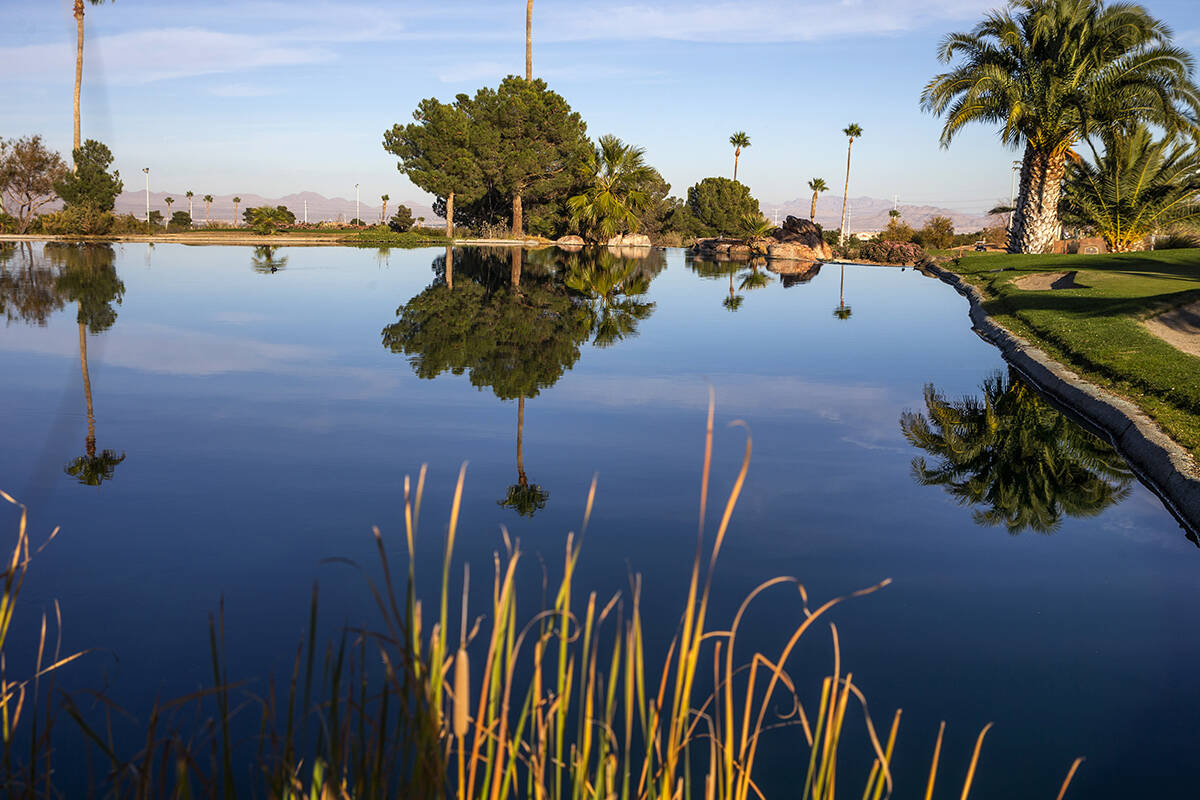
column 462, row 691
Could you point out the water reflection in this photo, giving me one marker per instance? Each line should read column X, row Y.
column 842, row 311
column 747, row 274
column 517, row 327
column 86, row 275
column 1023, row 462
column 613, row 291
column 27, row 285
column 265, row 261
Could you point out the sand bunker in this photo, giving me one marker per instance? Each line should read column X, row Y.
column 1044, row 281
column 1179, row 328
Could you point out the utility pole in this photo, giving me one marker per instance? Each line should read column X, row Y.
column 147, row 171
column 306, row 211
column 357, row 218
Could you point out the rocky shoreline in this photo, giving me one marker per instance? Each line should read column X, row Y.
column 796, row 240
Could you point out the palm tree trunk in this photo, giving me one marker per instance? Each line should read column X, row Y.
column 1035, row 225
column 449, row 266
column 521, row 479
column 78, row 66
column 450, row 215
column 812, row 214
column 87, row 389
column 737, row 152
column 518, row 214
column 515, row 255
column 845, row 195
column 528, row 40
column 383, row 213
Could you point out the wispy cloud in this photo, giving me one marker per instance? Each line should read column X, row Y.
column 163, row 53
column 241, row 90
column 749, row 22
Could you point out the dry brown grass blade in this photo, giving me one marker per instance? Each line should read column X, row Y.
column 933, row 766
column 1070, row 774
column 974, row 761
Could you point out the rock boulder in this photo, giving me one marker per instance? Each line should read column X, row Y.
column 629, row 240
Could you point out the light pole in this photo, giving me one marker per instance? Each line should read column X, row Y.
column 147, row 171
column 357, row 218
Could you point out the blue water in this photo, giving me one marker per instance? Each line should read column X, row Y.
column 265, row 427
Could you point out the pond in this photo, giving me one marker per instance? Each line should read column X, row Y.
column 244, row 414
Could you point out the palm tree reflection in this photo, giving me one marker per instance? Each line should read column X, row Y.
column 612, row 289
column 523, row 497
column 88, row 277
column 515, row 322
column 1024, row 463
column 842, row 311
column 264, row 260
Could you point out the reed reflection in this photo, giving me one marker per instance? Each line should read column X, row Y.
column 1025, row 464
column 87, row 277
column 514, row 322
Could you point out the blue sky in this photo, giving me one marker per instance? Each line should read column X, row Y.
column 273, row 97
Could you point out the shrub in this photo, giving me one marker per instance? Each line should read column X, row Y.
column 1177, row 240
column 82, row 220
column 888, row 252
column 938, row 233
column 180, row 220
column 402, row 220
column 720, row 204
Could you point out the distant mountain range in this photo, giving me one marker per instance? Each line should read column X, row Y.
column 866, row 213
column 871, row 213
column 320, row 207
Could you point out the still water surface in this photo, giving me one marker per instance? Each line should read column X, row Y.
column 256, row 411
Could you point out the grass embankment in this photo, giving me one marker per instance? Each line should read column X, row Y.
column 1097, row 327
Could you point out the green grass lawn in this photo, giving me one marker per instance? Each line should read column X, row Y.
column 1097, row 328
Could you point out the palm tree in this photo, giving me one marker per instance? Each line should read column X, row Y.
column 617, row 193
column 383, row 213
column 208, row 198
column 1136, row 188
column 1055, row 73
column 528, row 40
column 1019, row 458
column 168, row 201
column 817, row 185
column 78, row 141
column 852, row 132
column 236, row 201
column 738, row 140
column 190, row 195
